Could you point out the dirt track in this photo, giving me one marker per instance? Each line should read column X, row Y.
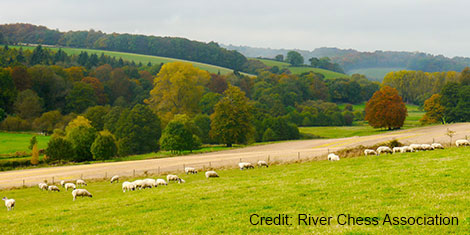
column 284, row 151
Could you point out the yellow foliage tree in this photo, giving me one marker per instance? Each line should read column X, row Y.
column 78, row 121
column 178, row 88
column 35, row 155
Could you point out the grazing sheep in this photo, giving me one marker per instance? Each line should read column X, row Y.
column 80, row 193
column 370, row 152
column 462, row 143
column 128, row 186
column 415, row 147
column 262, row 163
column 149, row 183
column 115, row 179
column 62, row 183
column 138, row 183
column 211, row 174
column 189, row 170
column 383, row 149
column 437, row 146
column 406, row 149
column 53, row 188
column 333, row 157
column 396, row 150
column 81, row 183
column 70, row 185
column 245, row 165
column 170, row 178
column 9, row 203
column 42, row 186
column 427, row 147
column 161, row 182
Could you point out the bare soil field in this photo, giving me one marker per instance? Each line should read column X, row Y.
column 280, row 152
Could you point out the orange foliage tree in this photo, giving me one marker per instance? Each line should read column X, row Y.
column 434, row 110
column 386, row 109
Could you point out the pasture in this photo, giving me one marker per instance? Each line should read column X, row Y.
column 402, row 185
column 19, row 142
column 144, row 59
column 299, row 70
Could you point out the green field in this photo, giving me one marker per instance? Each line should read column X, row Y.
column 299, row 70
column 400, row 185
column 144, row 59
column 361, row 128
column 19, row 142
column 377, row 74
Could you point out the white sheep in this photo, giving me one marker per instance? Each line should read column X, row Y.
column 396, row 149
column 128, row 186
column 70, row 185
column 170, row 178
column 383, row 149
column 437, row 146
column 80, row 193
column 42, row 186
column 161, row 182
column 115, row 179
column 53, row 188
column 149, row 183
column 406, row 149
column 462, row 143
column 81, row 182
column 333, row 157
column 245, row 165
column 415, row 147
column 138, row 183
column 262, row 163
column 427, row 147
column 62, row 183
column 211, row 174
column 190, row 170
column 9, row 203
column 370, row 152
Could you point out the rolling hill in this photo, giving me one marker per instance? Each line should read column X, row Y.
column 299, row 70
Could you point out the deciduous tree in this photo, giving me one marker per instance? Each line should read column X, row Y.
column 434, row 110
column 386, row 109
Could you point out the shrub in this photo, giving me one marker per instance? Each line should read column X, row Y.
column 59, row 149
column 104, row 147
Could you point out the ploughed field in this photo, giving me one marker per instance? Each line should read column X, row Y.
column 421, row 184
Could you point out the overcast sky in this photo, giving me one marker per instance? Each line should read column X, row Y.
column 433, row 26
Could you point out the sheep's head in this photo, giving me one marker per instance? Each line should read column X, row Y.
column 4, row 198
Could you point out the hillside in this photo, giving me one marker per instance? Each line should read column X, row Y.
column 299, row 70
column 400, row 185
column 180, row 48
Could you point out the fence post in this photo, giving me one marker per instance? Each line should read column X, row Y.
column 210, row 165
column 298, row 156
column 328, row 151
column 203, row 167
column 23, row 183
column 184, row 167
column 52, row 179
column 240, row 159
column 268, row 159
column 133, row 173
column 433, row 140
column 81, row 176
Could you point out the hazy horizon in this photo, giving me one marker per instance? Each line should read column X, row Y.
column 436, row 27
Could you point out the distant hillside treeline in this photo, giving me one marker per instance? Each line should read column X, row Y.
column 180, row 48
column 350, row 59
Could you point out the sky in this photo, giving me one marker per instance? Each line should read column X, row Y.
column 432, row 26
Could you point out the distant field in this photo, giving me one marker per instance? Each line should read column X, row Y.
column 377, row 74
column 299, row 70
column 144, row 59
column 399, row 185
column 19, row 142
column 361, row 128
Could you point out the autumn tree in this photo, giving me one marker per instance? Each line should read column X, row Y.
column 21, row 78
column 49, row 121
column 28, row 104
column 178, row 88
column 231, row 120
column 386, row 109
column 80, row 97
column 434, row 110
column 35, row 155
column 98, row 88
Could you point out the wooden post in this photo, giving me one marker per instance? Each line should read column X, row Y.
column 81, row 176
column 204, row 167
column 268, row 159
column 433, row 140
column 184, row 167
column 52, row 179
column 328, row 151
column 210, row 165
column 23, row 183
column 240, row 159
column 133, row 173
column 298, row 156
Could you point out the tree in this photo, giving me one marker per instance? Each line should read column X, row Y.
column 32, row 142
column 269, row 135
column 7, row 90
column 104, row 147
column 49, row 121
column 203, row 123
column 139, row 131
column 59, row 148
column 386, row 109
column 112, row 118
column 3, row 115
column 178, row 88
column 294, row 58
column 98, row 88
column 208, row 102
column 82, row 138
column 434, row 110
column 35, row 155
column 279, row 57
column 231, row 120
column 97, row 115
column 28, row 104
column 21, row 78
column 177, row 137
column 80, row 97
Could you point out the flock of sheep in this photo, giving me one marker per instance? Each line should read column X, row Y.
column 128, row 186
column 403, row 149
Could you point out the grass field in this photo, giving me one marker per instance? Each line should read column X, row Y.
column 401, row 185
column 377, row 74
column 299, row 70
column 13, row 142
column 361, row 128
column 138, row 58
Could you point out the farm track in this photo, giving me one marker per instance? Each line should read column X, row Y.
column 284, row 151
